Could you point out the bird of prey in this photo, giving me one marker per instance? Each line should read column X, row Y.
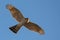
column 22, row 21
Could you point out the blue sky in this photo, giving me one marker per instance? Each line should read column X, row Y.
column 45, row 13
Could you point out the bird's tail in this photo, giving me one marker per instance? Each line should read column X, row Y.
column 15, row 28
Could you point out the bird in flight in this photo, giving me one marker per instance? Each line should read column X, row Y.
column 22, row 21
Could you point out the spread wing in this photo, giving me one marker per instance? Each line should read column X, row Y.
column 18, row 16
column 15, row 13
column 34, row 27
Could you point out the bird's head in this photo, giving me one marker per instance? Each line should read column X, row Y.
column 27, row 20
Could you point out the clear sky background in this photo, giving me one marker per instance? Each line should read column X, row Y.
column 45, row 13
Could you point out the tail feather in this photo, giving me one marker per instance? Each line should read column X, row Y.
column 16, row 28
column 13, row 29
